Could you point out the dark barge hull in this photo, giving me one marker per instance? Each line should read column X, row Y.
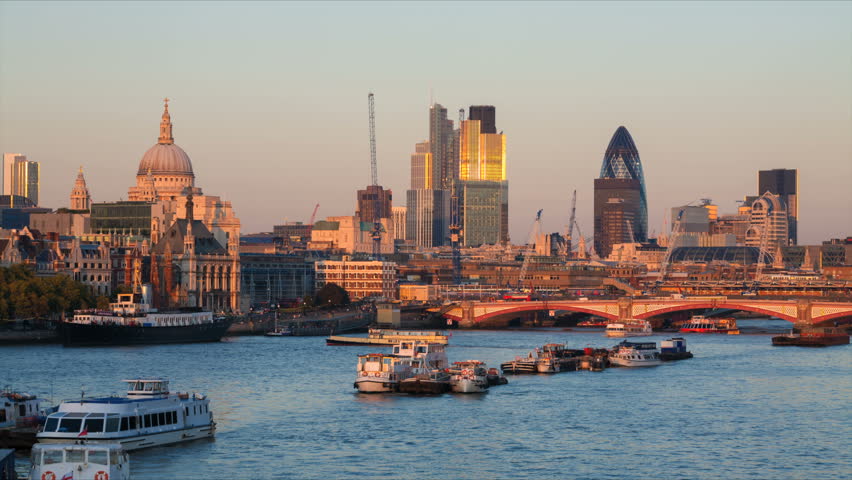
column 670, row 356
column 82, row 335
column 424, row 387
column 785, row 341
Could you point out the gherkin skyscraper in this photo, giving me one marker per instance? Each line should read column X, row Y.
column 621, row 204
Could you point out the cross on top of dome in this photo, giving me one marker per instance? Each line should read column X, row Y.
column 166, row 137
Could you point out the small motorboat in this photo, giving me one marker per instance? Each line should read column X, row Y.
column 629, row 328
column 494, row 377
column 469, row 377
column 632, row 354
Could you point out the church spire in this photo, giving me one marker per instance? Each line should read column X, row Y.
column 166, row 126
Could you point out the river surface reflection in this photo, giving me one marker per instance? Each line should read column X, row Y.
column 286, row 408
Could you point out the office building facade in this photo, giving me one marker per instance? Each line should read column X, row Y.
column 427, row 217
column 374, row 203
column 617, row 207
column 484, row 214
column 785, row 184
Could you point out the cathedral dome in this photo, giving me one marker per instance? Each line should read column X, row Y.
column 165, row 159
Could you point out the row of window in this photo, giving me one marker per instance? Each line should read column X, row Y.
column 86, row 265
column 113, row 423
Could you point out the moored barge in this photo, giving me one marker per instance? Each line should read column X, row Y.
column 812, row 337
column 132, row 321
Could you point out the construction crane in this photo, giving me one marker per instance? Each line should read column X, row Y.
column 530, row 248
column 314, row 215
column 569, row 229
column 676, row 227
column 377, row 190
column 455, row 222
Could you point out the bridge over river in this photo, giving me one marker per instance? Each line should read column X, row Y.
column 801, row 312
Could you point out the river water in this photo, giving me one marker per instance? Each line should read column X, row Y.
column 286, row 408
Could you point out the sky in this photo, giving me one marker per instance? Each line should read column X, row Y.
column 270, row 99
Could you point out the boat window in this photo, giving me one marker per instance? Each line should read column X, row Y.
column 162, row 416
column 70, row 425
column 187, row 411
column 124, row 423
column 98, row 456
column 147, row 420
column 51, row 457
column 155, row 420
column 112, row 423
column 94, row 425
column 51, row 424
column 133, row 423
column 174, row 417
column 74, row 456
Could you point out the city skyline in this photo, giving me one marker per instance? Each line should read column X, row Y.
column 704, row 125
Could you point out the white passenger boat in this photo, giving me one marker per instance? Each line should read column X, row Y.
column 433, row 354
column 17, row 407
column 79, row 461
column 469, row 376
column 380, row 373
column 630, row 328
column 632, row 354
column 148, row 416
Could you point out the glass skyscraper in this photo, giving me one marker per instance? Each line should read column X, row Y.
column 621, row 161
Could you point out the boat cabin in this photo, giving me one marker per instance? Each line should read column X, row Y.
column 99, row 461
column 673, row 345
column 129, row 304
column 434, row 354
column 147, row 387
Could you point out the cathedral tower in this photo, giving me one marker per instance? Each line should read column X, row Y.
column 80, row 198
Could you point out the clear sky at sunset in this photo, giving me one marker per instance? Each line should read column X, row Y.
column 270, row 99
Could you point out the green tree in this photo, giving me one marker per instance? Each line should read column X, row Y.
column 332, row 294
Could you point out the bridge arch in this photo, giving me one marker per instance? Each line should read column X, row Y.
column 542, row 307
column 717, row 305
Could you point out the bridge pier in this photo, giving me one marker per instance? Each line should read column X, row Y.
column 625, row 308
column 467, row 318
column 804, row 312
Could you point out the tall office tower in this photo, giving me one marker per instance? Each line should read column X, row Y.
column 767, row 220
column 9, row 161
column 625, row 194
column 20, row 177
column 784, row 183
column 428, row 217
column 80, row 198
column 482, row 156
column 483, row 189
column 421, row 167
column 399, row 218
column 621, row 177
column 487, row 115
column 367, row 203
column 441, row 146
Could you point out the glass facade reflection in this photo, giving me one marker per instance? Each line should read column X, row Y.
column 621, row 160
